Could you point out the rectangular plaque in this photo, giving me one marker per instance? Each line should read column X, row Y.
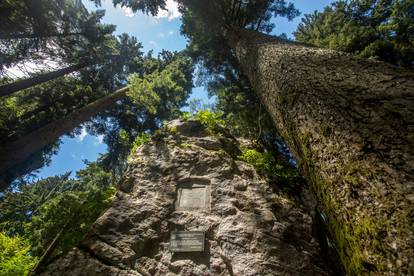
column 193, row 197
column 187, row 241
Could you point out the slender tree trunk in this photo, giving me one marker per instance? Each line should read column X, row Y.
column 16, row 152
column 34, row 35
column 350, row 124
column 50, row 249
column 10, row 88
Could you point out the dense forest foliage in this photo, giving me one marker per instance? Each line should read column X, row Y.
column 372, row 29
column 49, row 216
column 42, row 219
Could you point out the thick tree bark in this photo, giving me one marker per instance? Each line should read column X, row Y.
column 10, row 88
column 16, row 152
column 350, row 124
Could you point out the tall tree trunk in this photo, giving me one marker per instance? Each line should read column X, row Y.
column 350, row 124
column 36, row 35
column 16, row 152
column 10, row 88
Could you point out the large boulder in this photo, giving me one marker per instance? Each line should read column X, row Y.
column 187, row 180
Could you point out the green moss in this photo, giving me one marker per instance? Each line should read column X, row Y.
column 349, row 236
column 185, row 145
column 173, row 130
column 353, row 171
column 304, row 144
column 346, row 242
column 304, row 138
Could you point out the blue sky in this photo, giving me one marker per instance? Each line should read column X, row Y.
column 156, row 33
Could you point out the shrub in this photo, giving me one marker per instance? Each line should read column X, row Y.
column 265, row 163
column 15, row 258
column 210, row 119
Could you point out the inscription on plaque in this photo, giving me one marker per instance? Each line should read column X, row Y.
column 187, row 241
column 193, row 197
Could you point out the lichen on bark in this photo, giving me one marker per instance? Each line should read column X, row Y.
column 349, row 122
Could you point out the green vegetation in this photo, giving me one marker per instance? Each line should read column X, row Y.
column 32, row 215
column 185, row 145
column 348, row 238
column 63, row 208
column 138, row 142
column 210, row 120
column 168, row 82
column 185, row 116
column 262, row 161
column 371, row 29
column 351, row 238
column 41, row 210
column 59, row 30
column 265, row 163
column 142, row 91
column 15, row 258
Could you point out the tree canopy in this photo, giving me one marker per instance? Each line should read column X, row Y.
column 40, row 210
column 43, row 212
column 372, row 29
column 35, row 31
column 47, row 217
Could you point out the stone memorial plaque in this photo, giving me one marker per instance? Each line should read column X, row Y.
column 187, row 241
column 193, row 197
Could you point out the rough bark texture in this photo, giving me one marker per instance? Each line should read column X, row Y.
column 10, row 88
column 350, row 124
column 16, row 152
column 250, row 229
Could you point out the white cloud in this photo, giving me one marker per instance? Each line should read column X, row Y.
column 164, row 35
column 107, row 5
column 99, row 139
column 127, row 11
column 82, row 135
column 172, row 11
column 153, row 43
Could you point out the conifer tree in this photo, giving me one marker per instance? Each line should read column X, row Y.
column 34, row 30
column 158, row 93
column 346, row 120
column 372, row 29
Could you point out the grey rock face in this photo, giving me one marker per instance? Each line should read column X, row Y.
column 250, row 230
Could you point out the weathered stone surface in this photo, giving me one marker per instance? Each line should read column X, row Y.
column 250, row 230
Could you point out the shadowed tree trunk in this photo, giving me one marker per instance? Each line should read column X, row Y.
column 350, row 124
column 17, row 152
column 10, row 88
column 34, row 35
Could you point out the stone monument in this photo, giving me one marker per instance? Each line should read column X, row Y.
column 187, row 206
